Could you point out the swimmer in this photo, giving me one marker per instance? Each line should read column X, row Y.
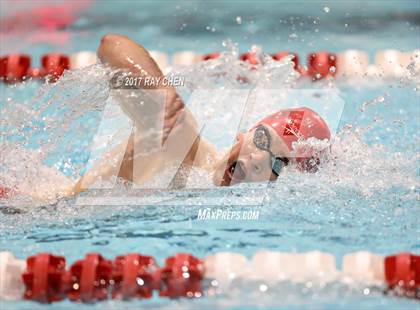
column 260, row 154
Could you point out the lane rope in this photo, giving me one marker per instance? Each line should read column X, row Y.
column 319, row 65
column 45, row 278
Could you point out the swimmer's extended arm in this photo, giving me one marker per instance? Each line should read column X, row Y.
column 120, row 52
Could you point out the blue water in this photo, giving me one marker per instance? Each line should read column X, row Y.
column 367, row 200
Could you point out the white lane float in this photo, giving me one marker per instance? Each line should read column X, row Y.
column 161, row 59
column 363, row 267
column 225, row 267
column 82, row 59
column 352, row 63
column 390, row 63
column 185, row 58
column 11, row 284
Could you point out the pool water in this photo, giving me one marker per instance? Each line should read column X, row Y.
column 366, row 198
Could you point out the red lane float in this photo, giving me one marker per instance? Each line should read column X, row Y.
column 14, row 67
column 210, row 56
column 45, row 278
column 251, row 58
column 295, row 59
column 53, row 65
column 403, row 270
column 17, row 67
column 321, row 65
column 181, row 276
column 90, row 278
column 134, row 276
column 254, row 61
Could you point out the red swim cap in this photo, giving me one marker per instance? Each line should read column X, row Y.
column 298, row 124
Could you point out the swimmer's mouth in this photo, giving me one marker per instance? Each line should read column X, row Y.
column 235, row 172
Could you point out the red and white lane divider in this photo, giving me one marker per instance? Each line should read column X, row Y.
column 45, row 278
column 17, row 67
column 350, row 63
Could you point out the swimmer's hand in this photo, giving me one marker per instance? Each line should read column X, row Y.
column 51, row 186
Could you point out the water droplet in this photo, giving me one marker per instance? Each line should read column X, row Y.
column 326, row 9
column 263, row 288
column 239, row 20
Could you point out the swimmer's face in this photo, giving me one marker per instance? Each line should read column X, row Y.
column 245, row 162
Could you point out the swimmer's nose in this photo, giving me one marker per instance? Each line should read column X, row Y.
column 256, row 156
column 247, row 167
column 256, row 162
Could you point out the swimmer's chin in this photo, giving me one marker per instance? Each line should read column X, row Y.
column 221, row 182
column 217, row 179
column 220, row 178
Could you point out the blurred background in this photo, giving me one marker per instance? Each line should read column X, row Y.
column 37, row 27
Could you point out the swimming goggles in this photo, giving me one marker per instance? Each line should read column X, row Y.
column 262, row 140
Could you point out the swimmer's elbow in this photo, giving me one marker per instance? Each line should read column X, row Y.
column 113, row 47
column 111, row 37
column 107, row 45
column 110, row 40
column 77, row 187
